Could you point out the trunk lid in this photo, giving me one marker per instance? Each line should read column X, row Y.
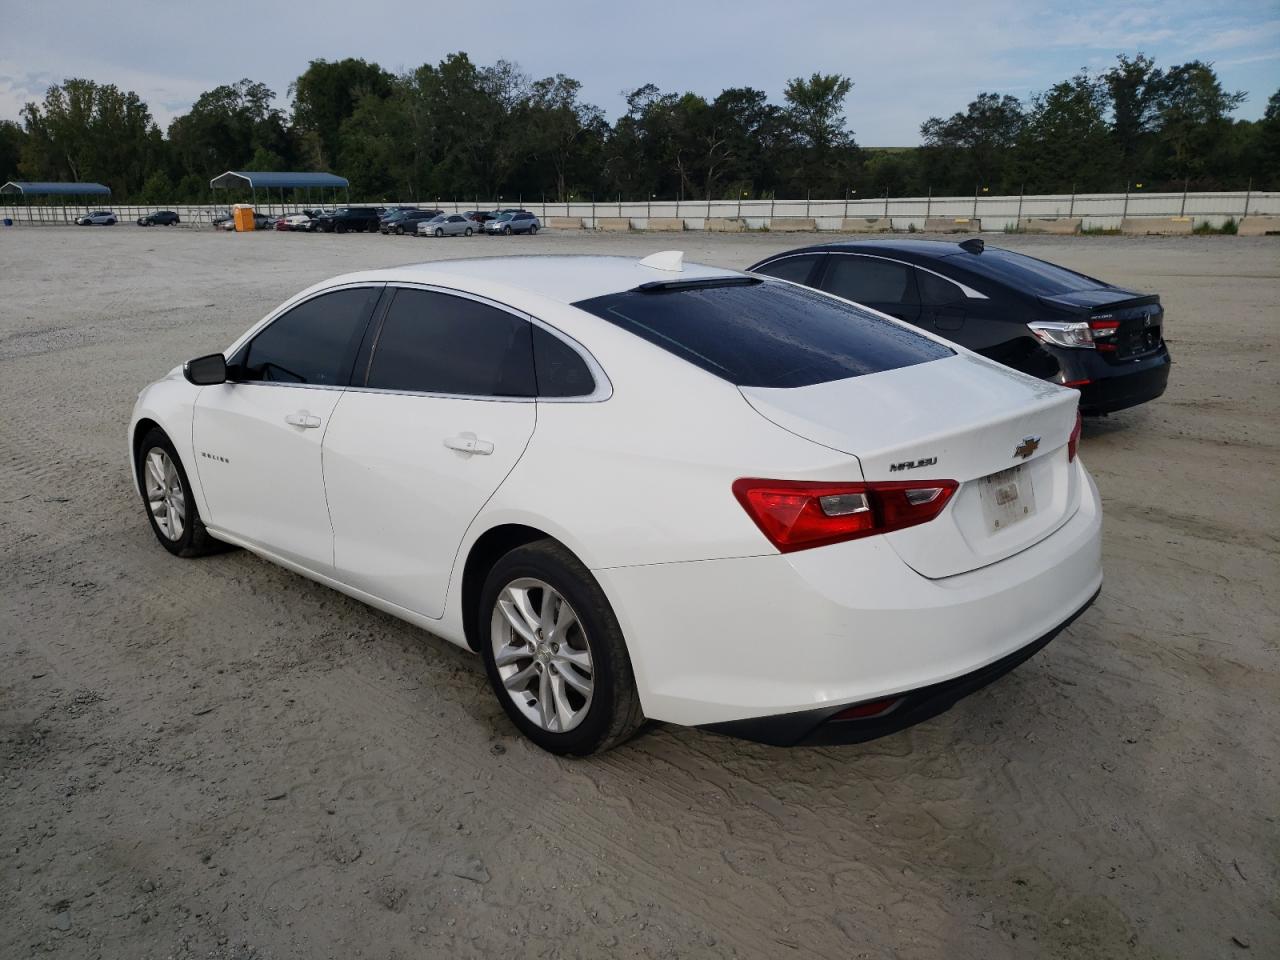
column 964, row 418
column 1140, row 319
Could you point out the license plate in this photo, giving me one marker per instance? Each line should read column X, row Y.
column 1007, row 497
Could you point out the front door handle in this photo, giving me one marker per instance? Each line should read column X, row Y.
column 302, row 419
column 469, row 443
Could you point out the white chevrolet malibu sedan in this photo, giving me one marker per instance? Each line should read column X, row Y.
column 641, row 489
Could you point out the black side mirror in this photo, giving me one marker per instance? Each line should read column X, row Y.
column 206, row 371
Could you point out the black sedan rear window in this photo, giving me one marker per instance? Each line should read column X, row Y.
column 765, row 334
column 1036, row 277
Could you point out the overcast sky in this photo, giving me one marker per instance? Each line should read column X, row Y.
column 908, row 60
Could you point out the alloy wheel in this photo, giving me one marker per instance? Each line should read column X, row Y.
column 542, row 654
column 165, row 496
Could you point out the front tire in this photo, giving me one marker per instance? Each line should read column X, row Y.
column 554, row 652
column 439, row 232
column 170, row 504
column 507, row 231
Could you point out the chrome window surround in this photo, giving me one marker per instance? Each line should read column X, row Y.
column 603, row 387
column 967, row 290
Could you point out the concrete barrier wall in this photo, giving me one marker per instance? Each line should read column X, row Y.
column 793, row 224
column 1258, row 226
column 724, row 224
column 564, row 223
column 866, row 224
column 1043, row 225
column 613, row 224
column 664, row 223
column 954, row 225
column 1157, row 226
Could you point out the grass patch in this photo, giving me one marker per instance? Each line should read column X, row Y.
column 1100, row 231
column 1227, row 229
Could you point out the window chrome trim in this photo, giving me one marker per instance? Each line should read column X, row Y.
column 968, row 291
column 603, row 386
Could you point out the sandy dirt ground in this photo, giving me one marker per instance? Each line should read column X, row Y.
column 218, row 758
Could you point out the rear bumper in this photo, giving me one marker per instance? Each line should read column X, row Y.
column 1113, row 387
column 720, row 641
column 822, row 726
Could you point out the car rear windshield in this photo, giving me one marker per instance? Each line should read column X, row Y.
column 1033, row 276
column 765, row 333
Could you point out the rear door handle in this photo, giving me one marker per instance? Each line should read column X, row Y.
column 469, row 443
column 302, row 419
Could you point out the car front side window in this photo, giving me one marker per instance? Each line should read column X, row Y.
column 313, row 343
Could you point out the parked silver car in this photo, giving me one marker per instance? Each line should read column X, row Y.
column 101, row 218
column 448, row 225
column 517, row 221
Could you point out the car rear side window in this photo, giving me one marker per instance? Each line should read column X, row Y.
column 437, row 343
column 766, row 334
column 561, row 371
column 315, row 342
column 869, row 280
column 936, row 291
column 1024, row 273
column 795, row 269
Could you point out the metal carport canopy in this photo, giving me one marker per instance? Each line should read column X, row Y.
column 31, row 189
column 277, row 180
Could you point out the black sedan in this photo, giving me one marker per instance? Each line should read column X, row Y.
column 1034, row 316
column 161, row 218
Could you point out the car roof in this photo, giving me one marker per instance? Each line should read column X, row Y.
column 559, row 277
column 914, row 249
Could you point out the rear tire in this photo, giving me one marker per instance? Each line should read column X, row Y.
column 340, row 228
column 578, row 645
column 467, row 232
column 168, row 500
column 533, row 231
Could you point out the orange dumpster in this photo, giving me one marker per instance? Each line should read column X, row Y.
column 243, row 214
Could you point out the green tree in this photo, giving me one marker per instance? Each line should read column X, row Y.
column 231, row 127
column 12, row 139
column 1065, row 139
column 1134, row 86
column 91, row 132
column 1192, row 121
column 825, row 152
column 974, row 147
column 326, row 94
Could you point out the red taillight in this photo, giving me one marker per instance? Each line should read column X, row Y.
column 799, row 514
column 1103, row 331
column 1073, row 441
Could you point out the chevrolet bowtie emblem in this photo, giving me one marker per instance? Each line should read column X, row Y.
column 1027, row 447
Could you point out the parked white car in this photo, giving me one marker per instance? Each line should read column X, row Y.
column 448, row 225
column 641, row 489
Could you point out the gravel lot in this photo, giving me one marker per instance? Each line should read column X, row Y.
column 218, row 758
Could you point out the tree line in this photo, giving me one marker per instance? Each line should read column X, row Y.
column 457, row 129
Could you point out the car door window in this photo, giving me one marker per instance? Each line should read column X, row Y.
column 314, row 343
column 434, row 342
column 795, row 269
column 870, row 280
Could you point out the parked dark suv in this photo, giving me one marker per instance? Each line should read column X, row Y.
column 161, row 218
column 355, row 219
column 1034, row 316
